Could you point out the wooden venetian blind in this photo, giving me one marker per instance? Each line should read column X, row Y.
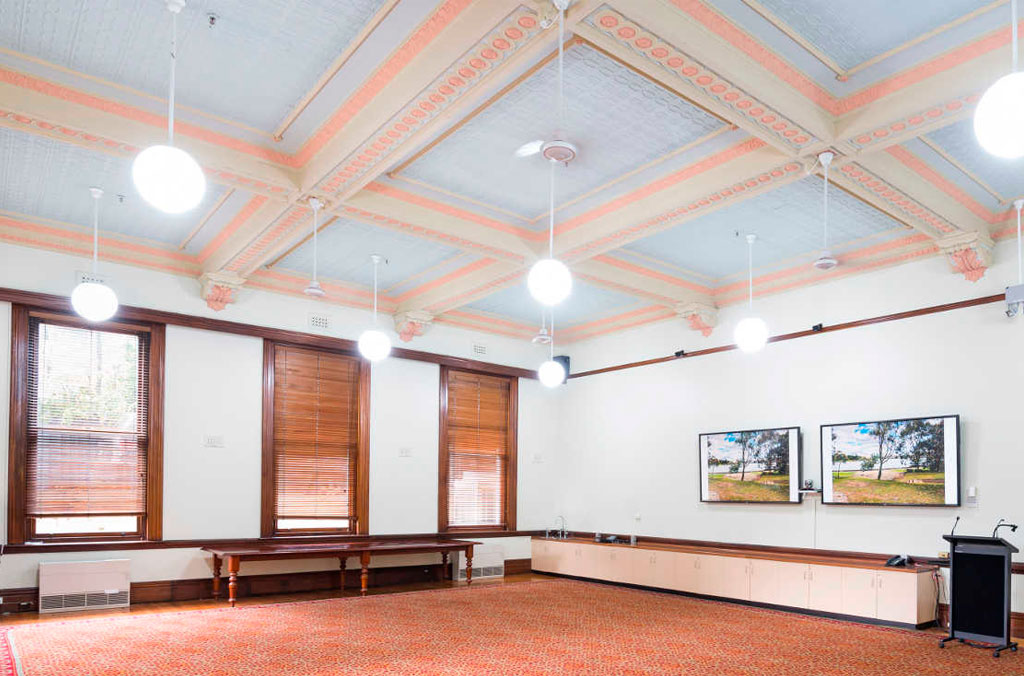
column 478, row 445
column 316, row 434
column 88, row 414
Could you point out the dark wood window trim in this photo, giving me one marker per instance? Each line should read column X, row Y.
column 511, row 482
column 17, row 526
column 267, row 491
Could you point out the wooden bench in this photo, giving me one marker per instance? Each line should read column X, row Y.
column 364, row 549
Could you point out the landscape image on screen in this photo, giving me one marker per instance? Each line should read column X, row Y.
column 750, row 466
column 894, row 462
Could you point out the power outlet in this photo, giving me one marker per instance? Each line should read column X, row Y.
column 405, row 452
column 213, row 441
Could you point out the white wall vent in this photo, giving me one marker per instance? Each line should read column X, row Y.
column 479, row 349
column 82, row 276
column 84, row 585
column 318, row 321
column 488, row 561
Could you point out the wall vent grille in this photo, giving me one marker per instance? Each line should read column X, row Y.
column 479, row 349
column 82, row 276
column 319, row 322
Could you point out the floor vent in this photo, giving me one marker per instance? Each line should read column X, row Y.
column 83, row 585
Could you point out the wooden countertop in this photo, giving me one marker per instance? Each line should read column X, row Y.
column 821, row 558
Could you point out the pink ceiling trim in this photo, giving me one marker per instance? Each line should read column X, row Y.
column 775, row 64
column 663, row 316
column 449, row 210
column 882, row 134
column 243, row 215
column 486, row 324
column 54, row 90
column 648, row 272
column 613, row 319
column 919, row 166
column 488, row 319
column 633, row 291
column 672, row 179
column 399, row 59
column 265, row 242
column 445, row 279
column 462, row 298
column 429, row 233
column 898, row 199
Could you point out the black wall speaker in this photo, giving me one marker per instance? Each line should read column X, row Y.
column 564, row 361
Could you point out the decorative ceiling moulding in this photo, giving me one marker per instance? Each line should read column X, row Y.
column 476, row 292
column 968, row 253
column 702, row 317
column 69, row 239
column 487, row 324
column 219, row 288
column 111, row 146
column 337, row 293
column 909, row 210
column 747, row 187
column 262, row 247
column 232, row 227
column 516, row 30
column 746, row 111
column 619, row 322
column 411, row 324
column 911, row 126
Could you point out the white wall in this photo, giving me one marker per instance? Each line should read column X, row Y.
column 630, row 437
column 214, row 387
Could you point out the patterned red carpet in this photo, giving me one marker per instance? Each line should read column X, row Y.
column 546, row 627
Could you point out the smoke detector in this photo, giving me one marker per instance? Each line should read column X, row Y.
column 558, row 151
column 826, row 262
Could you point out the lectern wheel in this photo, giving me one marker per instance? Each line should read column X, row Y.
column 942, row 644
column 1013, row 648
column 995, row 654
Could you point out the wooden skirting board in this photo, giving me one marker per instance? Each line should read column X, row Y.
column 25, row 599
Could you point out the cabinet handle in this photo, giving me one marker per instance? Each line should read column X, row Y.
column 879, row 583
column 872, row 582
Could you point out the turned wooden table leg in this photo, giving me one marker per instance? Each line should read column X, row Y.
column 469, row 564
column 216, row 576
column 364, row 573
column 444, row 566
column 343, row 561
column 232, row 579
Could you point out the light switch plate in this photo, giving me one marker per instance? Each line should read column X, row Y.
column 213, row 441
column 405, row 452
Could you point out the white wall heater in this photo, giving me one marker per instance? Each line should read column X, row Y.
column 83, row 585
column 488, row 561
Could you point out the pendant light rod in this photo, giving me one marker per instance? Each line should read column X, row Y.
column 826, row 159
column 97, row 193
column 750, row 267
column 1019, row 204
column 561, row 68
column 376, row 258
column 174, row 6
column 317, row 205
column 551, row 210
column 1013, row 31
column 551, row 345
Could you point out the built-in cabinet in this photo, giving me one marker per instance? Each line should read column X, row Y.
column 903, row 596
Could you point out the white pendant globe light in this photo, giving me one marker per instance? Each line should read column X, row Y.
column 168, row 177
column 314, row 289
column 550, row 281
column 374, row 344
column 751, row 334
column 999, row 117
column 551, row 373
column 94, row 301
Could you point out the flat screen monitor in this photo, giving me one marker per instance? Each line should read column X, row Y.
column 750, row 466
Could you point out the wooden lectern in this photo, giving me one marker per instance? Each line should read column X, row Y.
column 979, row 591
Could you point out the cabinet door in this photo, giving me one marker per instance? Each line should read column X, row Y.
column 541, row 556
column 825, row 592
column 897, row 596
column 726, row 576
column 764, row 581
column 686, row 573
column 588, row 561
column 859, row 592
column 661, row 569
column 794, row 584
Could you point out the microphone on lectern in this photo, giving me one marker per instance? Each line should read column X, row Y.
column 953, row 529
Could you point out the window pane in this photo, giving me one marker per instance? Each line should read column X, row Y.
column 87, row 379
column 311, row 524
column 63, row 525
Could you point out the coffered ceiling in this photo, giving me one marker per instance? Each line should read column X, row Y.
column 697, row 122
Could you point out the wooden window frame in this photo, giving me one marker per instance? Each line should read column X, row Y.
column 511, row 465
column 268, row 517
column 18, row 528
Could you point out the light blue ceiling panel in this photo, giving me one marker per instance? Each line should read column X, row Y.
column 45, row 178
column 586, row 303
column 345, row 250
column 618, row 119
column 788, row 225
column 958, row 140
column 252, row 65
column 851, row 33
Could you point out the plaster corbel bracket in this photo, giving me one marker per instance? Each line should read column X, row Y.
column 218, row 288
column 412, row 323
column 968, row 253
column 698, row 316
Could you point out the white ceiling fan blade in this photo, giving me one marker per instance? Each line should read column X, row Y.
column 531, row 148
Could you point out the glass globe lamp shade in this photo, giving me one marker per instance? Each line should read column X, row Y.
column 374, row 345
column 168, row 178
column 551, row 374
column 549, row 281
column 94, row 302
column 751, row 334
column 999, row 117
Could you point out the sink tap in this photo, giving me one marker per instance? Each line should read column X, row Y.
column 562, row 533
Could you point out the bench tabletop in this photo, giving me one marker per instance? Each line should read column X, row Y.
column 290, row 549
